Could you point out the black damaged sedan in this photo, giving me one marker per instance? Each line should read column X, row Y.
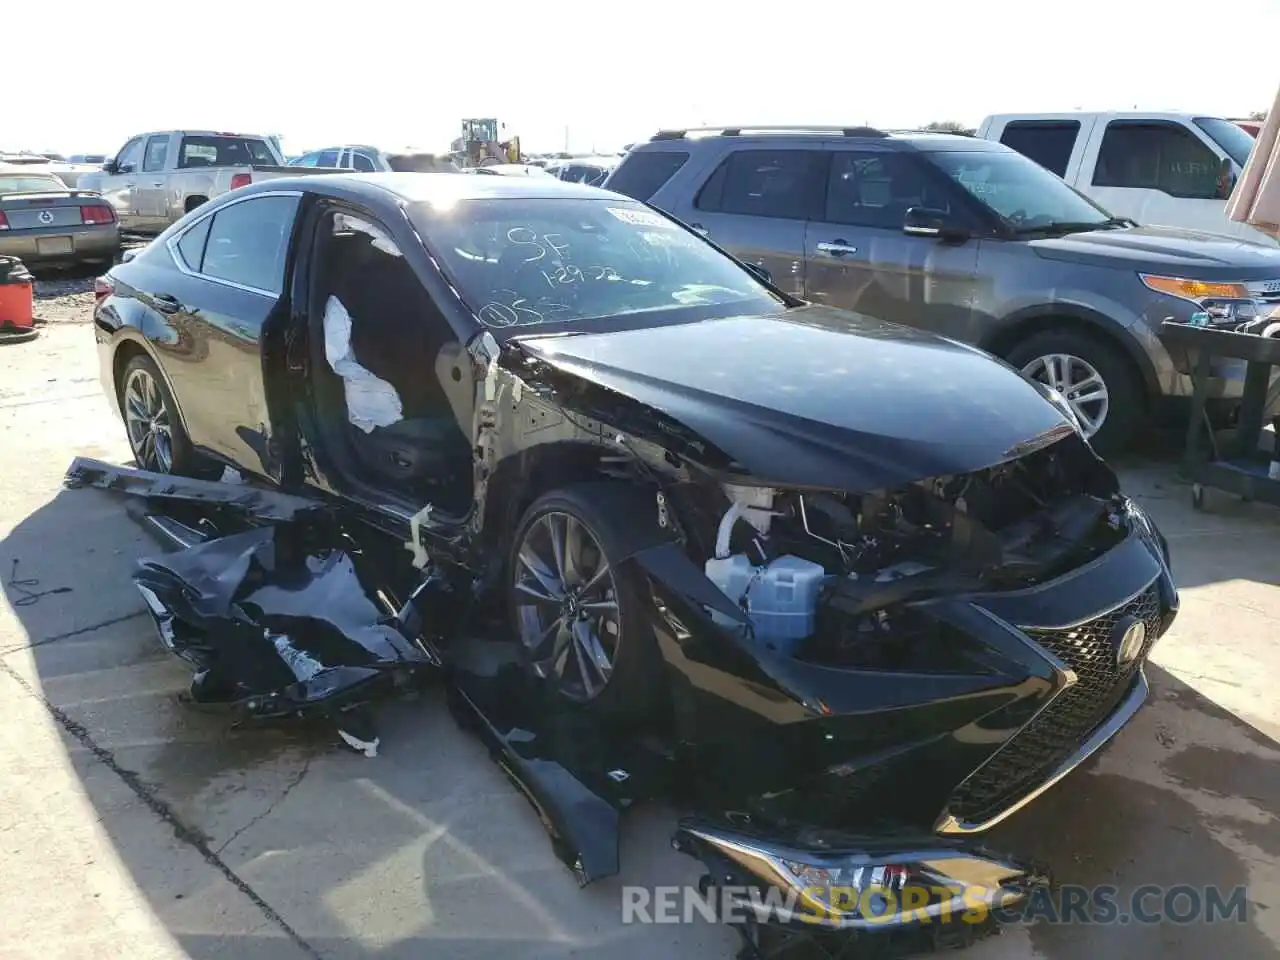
column 863, row 580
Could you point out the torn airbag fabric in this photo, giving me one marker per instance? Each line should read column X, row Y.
column 259, row 617
column 371, row 401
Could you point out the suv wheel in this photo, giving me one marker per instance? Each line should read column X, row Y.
column 1095, row 378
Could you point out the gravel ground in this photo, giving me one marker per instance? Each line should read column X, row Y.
column 66, row 295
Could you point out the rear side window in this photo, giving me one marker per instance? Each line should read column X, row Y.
column 1157, row 156
column 765, row 183
column 362, row 163
column 248, row 241
column 191, row 246
column 641, row 175
column 1048, row 143
column 218, row 151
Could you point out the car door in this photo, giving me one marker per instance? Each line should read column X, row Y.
column 228, row 280
column 858, row 257
column 119, row 187
column 1159, row 172
column 152, row 185
column 756, row 203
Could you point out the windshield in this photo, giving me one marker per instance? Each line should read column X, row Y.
column 27, row 184
column 1235, row 140
column 1021, row 192
column 529, row 262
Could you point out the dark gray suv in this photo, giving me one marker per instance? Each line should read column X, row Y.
column 969, row 239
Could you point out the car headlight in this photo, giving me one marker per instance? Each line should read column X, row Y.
column 1197, row 291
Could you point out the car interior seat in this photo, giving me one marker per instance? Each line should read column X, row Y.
column 396, row 334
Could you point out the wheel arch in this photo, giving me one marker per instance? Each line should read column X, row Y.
column 128, row 347
column 1073, row 318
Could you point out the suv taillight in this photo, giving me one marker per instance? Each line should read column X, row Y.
column 4, row 221
column 239, row 180
column 97, row 215
column 102, row 287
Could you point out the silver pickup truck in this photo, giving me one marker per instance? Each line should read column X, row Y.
column 158, row 177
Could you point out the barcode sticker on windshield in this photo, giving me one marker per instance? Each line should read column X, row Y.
column 640, row 218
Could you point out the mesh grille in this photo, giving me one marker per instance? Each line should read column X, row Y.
column 1055, row 733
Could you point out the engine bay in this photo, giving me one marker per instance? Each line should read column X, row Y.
column 785, row 555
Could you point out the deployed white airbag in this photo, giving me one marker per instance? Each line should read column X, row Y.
column 371, row 401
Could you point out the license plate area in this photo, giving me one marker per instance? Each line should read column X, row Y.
column 53, row 246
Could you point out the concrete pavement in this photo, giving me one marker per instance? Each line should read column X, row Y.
column 133, row 825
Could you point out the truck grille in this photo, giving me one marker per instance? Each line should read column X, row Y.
column 1033, row 753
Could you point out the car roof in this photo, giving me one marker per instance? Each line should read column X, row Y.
column 432, row 188
column 924, row 140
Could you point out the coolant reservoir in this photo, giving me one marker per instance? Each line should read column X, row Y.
column 781, row 598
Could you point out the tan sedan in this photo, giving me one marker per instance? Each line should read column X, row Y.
column 43, row 221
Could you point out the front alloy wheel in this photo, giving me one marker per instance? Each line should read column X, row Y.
column 566, row 605
column 1079, row 383
column 148, row 422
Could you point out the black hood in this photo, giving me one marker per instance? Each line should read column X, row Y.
column 1166, row 250
column 815, row 396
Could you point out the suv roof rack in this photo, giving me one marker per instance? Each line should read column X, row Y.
column 769, row 128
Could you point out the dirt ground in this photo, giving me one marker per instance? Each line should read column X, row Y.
column 133, row 825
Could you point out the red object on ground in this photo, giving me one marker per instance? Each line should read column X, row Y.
column 17, row 305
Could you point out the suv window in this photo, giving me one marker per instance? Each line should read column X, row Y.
column 157, row 150
column 1157, row 156
column 1047, row 142
column 327, row 158
column 876, row 189
column 641, row 175
column 248, row 241
column 764, row 183
column 361, row 162
column 217, row 151
column 191, row 244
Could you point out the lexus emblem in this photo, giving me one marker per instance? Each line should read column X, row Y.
column 1128, row 639
column 45, row 216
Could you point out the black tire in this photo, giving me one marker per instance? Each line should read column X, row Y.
column 1127, row 407
column 183, row 459
column 194, row 203
column 629, row 691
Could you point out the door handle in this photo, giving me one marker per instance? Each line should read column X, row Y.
column 166, row 303
column 699, row 228
column 160, row 184
column 129, row 183
column 836, row 248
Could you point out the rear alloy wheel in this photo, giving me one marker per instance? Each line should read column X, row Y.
column 1093, row 376
column 156, row 435
column 576, row 612
column 148, row 421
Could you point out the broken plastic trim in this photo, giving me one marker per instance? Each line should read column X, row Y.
column 273, row 623
column 255, row 502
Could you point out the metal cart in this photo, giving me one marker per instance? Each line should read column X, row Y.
column 1238, row 468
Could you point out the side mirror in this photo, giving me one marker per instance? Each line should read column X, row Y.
column 927, row 222
column 760, row 272
column 110, row 168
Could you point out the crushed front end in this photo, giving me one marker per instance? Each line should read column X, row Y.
column 931, row 657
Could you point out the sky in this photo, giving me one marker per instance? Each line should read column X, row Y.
column 600, row 75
